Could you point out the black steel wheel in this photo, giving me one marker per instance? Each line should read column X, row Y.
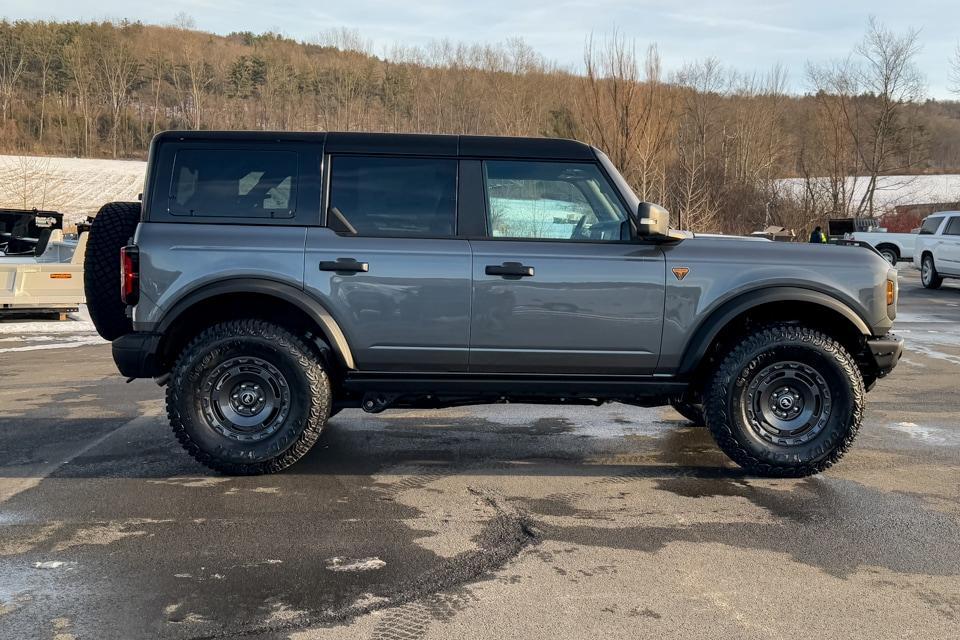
column 245, row 398
column 786, row 401
column 248, row 397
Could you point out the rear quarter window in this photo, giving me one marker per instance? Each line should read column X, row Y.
column 234, row 183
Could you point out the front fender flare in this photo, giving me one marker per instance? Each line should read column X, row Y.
column 710, row 327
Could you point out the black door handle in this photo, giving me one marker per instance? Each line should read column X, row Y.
column 344, row 265
column 509, row 270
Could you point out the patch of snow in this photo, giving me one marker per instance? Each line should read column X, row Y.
column 939, row 436
column 361, row 564
column 49, row 564
column 66, row 343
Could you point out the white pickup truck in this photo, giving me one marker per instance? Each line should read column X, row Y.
column 892, row 246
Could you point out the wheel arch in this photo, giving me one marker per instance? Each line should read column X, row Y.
column 251, row 297
column 767, row 305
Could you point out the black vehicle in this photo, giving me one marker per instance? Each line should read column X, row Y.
column 26, row 232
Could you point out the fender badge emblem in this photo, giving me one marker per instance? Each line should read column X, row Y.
column 680, row 272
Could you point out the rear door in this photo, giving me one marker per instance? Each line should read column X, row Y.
column 949, row 248
column 388, row 265
column 559, row 288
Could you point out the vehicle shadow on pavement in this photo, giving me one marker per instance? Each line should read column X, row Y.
column 543, row 447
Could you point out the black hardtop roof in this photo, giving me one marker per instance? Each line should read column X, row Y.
column 406, row 143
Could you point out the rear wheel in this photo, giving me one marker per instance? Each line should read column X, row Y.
column 787, row 401
column 928, row 273
column 248, row 397
column 889, row 253
column 112, row 228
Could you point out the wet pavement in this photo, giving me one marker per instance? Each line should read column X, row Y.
column 496, row 521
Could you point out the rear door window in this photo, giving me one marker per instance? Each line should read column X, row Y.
column 393, row 196
column 234, row 183
column 953, row 227
column 930, row 226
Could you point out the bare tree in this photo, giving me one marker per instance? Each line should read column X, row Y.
column 26, row 182
column 120, row 72
column 192, row 78
column 955, row 70
column 890, row 74
column 43, row 47
column 627, row 111
column 13, row 60
column 79, row 58
column 867, row 124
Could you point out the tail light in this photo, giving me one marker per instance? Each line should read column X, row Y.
column 129, row 274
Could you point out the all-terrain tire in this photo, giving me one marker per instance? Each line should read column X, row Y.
column 929, row 277
column 285, row 435
column 737, row 424
column 112, row 228
column 689, row 410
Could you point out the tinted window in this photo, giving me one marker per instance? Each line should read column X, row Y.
column 237, row 183
column 953, row 227
column 551, row 200
column 377, row 196
column 930, row 226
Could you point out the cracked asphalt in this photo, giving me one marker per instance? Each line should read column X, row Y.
column 495, row 521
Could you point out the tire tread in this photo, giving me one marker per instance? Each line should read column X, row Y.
column 717, row 411
column 305, row 357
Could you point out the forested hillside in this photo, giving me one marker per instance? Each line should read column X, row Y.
column 707, row 141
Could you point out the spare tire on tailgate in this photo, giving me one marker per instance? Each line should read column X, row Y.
column 112, row 229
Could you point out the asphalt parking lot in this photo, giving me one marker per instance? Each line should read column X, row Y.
column 486, row 522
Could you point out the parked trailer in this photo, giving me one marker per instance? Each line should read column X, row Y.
column 49, row 283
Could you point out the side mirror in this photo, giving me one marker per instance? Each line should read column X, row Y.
column 653, row 221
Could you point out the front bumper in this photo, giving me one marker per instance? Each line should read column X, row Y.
column 886, row 351
column 137, row 355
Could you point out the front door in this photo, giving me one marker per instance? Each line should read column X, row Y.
column 388, row 266
column 558, row 286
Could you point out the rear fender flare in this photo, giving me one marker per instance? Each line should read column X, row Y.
column 311, row 307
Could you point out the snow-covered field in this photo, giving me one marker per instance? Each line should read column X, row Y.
column 77, row 187
column 35, row 335
column 898, row 190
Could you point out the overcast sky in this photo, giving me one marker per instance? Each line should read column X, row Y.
column 748, row 35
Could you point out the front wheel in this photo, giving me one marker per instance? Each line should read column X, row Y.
column 928, row 273
column 786, row 402
column 248, row 397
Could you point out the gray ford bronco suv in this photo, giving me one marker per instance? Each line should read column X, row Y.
column 269, row 280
